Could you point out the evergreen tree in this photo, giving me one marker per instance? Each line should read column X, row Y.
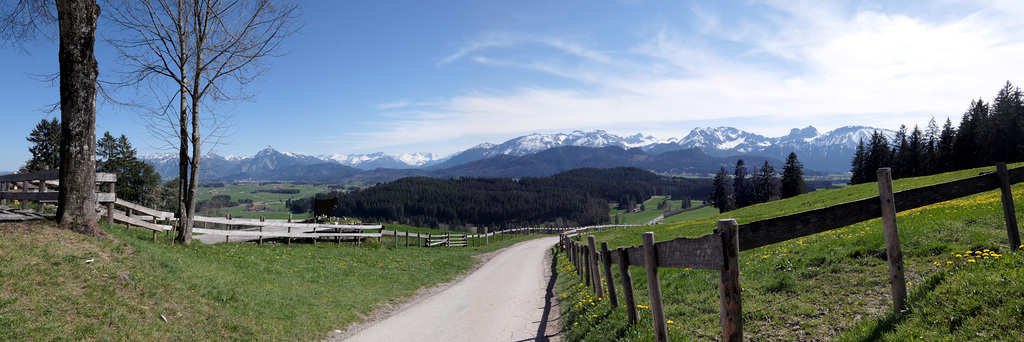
column 899, row 149
column 1003, row 131
column 857, row 174
column 913, row 157
column 931, row 138
column 878, row 155
column 741, row 188
column 793, row 177
column 45, row 149
column 967, row 151
column 722, row 192
column 944, row 148
column 766, row 184
column 137, row 181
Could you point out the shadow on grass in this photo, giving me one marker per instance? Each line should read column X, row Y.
column 891, row 320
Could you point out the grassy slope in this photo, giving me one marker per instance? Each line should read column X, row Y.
column 272, row 200
column 834, row 284
column 206, row 292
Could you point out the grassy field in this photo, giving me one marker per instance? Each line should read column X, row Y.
column 651, row 204
column 48, row 290
column 834, row 285
column 274, row 201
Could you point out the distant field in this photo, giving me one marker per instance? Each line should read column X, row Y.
column 651, row 205
column 273, row 201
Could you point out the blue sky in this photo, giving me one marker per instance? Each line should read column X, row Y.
column 442, row 76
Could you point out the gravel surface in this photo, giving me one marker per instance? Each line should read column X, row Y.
column 508, row 298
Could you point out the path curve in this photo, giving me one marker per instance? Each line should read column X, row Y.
column 507, row 299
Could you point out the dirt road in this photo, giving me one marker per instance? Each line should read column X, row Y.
column 507, row 299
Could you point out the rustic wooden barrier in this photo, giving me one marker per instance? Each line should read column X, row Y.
column 40, row 181
column 720, row 250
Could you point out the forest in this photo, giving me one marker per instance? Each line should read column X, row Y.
column 575, row 197
column 988, row 133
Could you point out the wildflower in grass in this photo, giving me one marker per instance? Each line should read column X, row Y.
column 970, row 260
column 670, row 321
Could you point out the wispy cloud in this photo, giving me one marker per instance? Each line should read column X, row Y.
column 801, row 63
column 393, row 104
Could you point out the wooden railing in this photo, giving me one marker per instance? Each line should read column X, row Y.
column 720, row 249
column 452, row 239
column 151, row 219
column 35, row 187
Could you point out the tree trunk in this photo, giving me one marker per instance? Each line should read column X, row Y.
column 184, row 214
column 76, row 207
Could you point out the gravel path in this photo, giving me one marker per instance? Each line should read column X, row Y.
column 508, row 298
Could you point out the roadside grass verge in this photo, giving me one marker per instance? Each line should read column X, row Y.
column 834, row 285
column 205, row 292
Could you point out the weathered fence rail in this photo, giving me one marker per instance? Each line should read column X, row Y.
column 35, row 187
column 720, row 249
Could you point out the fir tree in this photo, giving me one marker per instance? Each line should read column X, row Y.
column 722, row 192
column 793, row 177
column 766, row 184
column 45, row 149
column 740, row 186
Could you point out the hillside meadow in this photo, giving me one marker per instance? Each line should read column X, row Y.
column 963, row 281
column 60, row 286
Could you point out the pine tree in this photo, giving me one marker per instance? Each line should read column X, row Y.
column 722, row 192
column 793, row 177
column 857, row 173
column 913, row 158
column 878, row 155
column 1003, row 131
column 944, row 148
column 137, row 181
column 931, row 137
column 967, row 151
column 45, row 149
column 766, row 184
column 899, row 150
column 740, row 185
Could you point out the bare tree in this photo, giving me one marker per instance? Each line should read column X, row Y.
column 29, row 20
column 193, row 56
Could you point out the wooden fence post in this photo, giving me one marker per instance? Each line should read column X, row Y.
column 654, row 288
column 396, row 237
column 606, row 258
column 261, row 229
column 592, row 247
column 587, row 265
column 42, row 189
column 731, row 307
column 24, row 188
column 1008, row 212
column 892, row 240
column 110, row 206
column 627, row 285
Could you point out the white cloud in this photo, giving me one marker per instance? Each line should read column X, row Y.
column 393, row 104
column 804, row 63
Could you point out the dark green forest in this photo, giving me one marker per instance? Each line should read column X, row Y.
column 575, row 197
column 989, row 132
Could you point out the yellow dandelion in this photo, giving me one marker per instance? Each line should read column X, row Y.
column 970, row 260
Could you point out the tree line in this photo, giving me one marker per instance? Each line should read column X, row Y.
column 764, row 185
column 575, row 197
column 988, row 133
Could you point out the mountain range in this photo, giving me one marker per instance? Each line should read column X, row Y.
column 703, row 150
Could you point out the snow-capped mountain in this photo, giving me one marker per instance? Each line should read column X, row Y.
column 380, row 160
column 828, row 152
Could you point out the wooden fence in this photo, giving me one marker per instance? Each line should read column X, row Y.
column 257, row 228
column 720, row 249
column 453, row 239
column 36, row 187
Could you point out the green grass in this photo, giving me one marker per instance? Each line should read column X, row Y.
column 704, row 212
column 834, row 285
column 272, row 200
column 206, row 292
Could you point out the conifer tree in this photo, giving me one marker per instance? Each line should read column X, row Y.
column 793, row 177
column 45, row 149
column 857, row 168
column 766, row 184
column 722, row 192
column 740, row 185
